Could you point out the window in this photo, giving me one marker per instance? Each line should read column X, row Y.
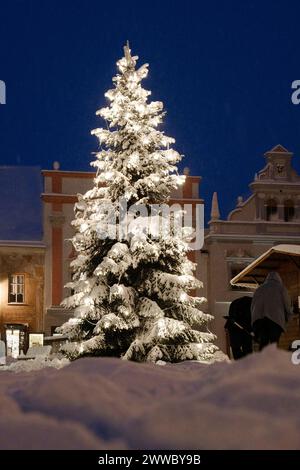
column 16, row 290
column 289, row 211
column 272, row 210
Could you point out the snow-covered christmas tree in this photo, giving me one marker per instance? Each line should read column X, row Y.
column 131, row 277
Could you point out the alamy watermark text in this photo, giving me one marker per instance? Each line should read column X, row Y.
column 2, row 92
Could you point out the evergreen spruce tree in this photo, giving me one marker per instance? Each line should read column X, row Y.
column 131, row 294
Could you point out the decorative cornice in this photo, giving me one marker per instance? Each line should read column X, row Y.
column 69, row 174
column 22, row 244
column 255, row 239
column 279, row 149
column 59, row 198
column 72, row 198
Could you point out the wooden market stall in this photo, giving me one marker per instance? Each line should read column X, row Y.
column 285, row 259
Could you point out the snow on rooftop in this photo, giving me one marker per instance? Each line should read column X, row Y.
column 104, row 403
column 20, row 203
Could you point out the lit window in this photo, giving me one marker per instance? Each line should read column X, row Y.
column 16, row 293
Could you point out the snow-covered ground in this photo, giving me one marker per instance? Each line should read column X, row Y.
column 97, row 403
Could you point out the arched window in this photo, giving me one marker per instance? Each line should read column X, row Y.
column 289, row 210
column 272, row 211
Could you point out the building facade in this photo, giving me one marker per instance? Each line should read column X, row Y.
column 22, row 257
column 21, row 293
column 34, row 268
column 270, row 216
column 59, row 196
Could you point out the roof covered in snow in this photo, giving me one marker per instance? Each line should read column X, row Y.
column 20, row 203
column 274, row 258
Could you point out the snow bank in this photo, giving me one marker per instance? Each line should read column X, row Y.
column 98, row 403
column 40, row 362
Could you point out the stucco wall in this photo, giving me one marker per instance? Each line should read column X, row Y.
column 30, row 262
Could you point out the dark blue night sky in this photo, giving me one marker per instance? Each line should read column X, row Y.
column 222, row 68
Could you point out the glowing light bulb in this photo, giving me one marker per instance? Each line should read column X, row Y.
column 145, row 140
column 84, row 227
column 136, row 127
column 140, row 108
column 87, row 301
column 183, row 297
column 109, row 175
